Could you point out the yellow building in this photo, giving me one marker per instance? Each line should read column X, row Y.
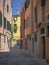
column 16, row 24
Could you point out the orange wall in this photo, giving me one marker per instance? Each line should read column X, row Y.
column 22, row 25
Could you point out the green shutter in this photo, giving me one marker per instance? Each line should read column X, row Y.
column 4, row 22
column 8, row 26
column 27, row 2
column 0, row 19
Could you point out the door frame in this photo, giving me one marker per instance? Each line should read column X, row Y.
column 43, row 46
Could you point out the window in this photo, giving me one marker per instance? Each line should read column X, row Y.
column 15, row 28
column 0, row 19
column 14, row 31
column 43, row 3
column 27, row 2
column 47, row 30
column 35, row 14
column 35, row 37
column 27, row 22
column 29, row 37
column 15, row 25
column 42, row 30
column 4, row 22
column 7, row 8
column 8, row 26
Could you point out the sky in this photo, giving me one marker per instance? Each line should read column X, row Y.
column 16, row 6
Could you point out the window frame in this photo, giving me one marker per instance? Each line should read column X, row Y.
column 7, row 8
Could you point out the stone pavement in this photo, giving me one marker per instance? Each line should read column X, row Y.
column 19, row 57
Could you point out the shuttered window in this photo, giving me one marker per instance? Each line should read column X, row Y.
column 4, row 22
column 47, row 30
column 0, row 19
column 27, row 2
column 43, row 31
column 43, row 3
column 29, row 37
column 8, row 26
column 15, row 28
column 35, row 13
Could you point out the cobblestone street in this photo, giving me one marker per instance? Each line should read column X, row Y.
column 19, row 57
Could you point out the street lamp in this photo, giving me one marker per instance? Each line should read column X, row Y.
column 15, row 18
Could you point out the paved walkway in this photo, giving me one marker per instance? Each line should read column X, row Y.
column 19, row 57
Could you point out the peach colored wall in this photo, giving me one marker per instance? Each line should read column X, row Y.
column 47, row 21
column 47, row 48
column 27, row 14
column 46, row 11
column 1, row 9
column 8, row 16
column 39, row 13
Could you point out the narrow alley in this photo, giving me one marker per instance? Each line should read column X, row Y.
column 24, row 32
column 19, row 57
